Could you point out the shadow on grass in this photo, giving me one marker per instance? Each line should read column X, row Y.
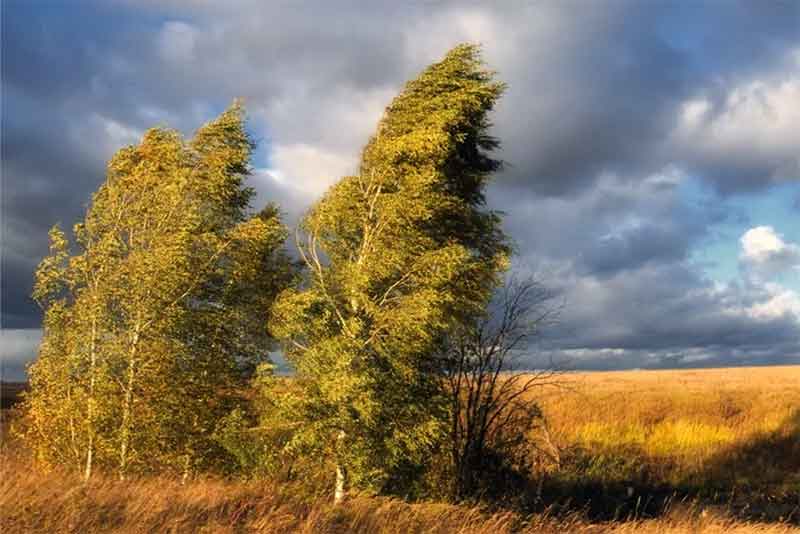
column 772, row 459
column 755, row 480
column 761, row 478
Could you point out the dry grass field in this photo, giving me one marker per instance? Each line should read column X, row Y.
column 707, row 451
column 32, row 502
column 730, row 436
column 691, row 425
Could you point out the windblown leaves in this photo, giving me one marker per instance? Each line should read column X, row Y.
column 397, row 254
column 161, row 312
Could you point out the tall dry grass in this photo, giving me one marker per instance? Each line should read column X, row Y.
column 53, row 503
column 706, row 428
column 715, row 430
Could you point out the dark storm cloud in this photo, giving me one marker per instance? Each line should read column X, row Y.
column 617, row 256
column 618, row 224
column 16, row 346
column 47, row 171
column 666, row 316
column 605, row 93
column 610, row 108
column 672, row 308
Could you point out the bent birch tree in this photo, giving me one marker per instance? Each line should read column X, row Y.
column 396, row 254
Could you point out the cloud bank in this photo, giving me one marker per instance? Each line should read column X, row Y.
column 615, row 113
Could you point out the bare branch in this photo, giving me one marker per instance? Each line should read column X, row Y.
column 490, row 402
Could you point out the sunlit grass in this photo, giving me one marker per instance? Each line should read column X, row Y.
column 697, row 432
column 33, row 502
column 669, row 438
column 695, row 427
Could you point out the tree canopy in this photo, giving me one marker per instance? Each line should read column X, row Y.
column 397, row 255
column 170, row 296
column 159, row 309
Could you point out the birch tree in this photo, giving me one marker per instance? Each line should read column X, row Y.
column 396, row 255
column 67, row 403
column 170, row 264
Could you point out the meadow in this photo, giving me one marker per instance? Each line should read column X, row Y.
column 713, row 450
column 730, row 437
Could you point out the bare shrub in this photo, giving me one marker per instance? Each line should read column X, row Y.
column 493, row 413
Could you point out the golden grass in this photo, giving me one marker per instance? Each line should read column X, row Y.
column 55, row 503
column 686, row 427
column 720, row 428
column 745, row 400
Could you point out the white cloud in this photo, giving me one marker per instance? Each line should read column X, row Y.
column 337, row 120
column 307, row 168
column 761, row 113
column 758, row 114
column 766, row 251
column 760, row 243
column 118, row 134
column 318, row 140
column 754, row 121
column 451, row 26
column 781, row 301
column 693, row 112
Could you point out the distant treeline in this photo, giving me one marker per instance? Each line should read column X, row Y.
column 10, row 393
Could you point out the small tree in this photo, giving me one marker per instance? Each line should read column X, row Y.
column 490, row 405
column 396, row 255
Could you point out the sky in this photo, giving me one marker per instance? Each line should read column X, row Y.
column 651, row 149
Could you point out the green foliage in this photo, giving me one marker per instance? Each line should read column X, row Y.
column 235, row 434
column 396, row 255
column 159, row 315
column 256, row 435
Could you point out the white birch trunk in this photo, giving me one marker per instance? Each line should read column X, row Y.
column 338, row 494
column 128, row 406
column 90, row 403
column 341, row 478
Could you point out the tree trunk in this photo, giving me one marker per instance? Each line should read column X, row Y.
column 338, row 495
column 90, row 402
column 128, row 406
column 341, row 477
column 73, row 435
